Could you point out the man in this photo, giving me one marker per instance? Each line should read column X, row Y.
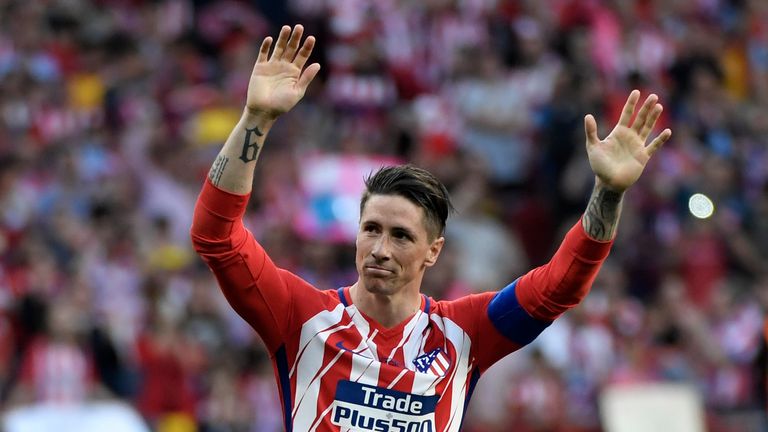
column 378, row 355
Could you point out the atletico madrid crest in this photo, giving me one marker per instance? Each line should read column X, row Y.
column 434, row 362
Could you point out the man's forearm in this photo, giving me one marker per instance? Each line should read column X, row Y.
column 232, row 170
column 603, row 210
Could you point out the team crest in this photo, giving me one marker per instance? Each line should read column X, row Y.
column 435, row 362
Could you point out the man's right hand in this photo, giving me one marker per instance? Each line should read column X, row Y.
column 279, row 81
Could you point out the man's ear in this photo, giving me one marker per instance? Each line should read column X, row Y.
column 434, row 251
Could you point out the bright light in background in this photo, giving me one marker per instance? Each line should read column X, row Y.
column 701, row 206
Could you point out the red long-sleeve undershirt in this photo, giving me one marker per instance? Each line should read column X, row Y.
column 544, row 292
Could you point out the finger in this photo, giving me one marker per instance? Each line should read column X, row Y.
column 590, row 130
column 642, row 115
column 293, row 42
column 308, row 75
column 629, row 108
column 656, row 144
column 282, row 41
column 266, row 44
column 304, row 52
column 650, row 122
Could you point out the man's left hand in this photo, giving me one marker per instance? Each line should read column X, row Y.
column 619, row 159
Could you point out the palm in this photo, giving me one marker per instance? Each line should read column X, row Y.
column 278, row 82
column 274, row 87
column 619, row 159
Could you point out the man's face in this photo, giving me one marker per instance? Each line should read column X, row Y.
column 393, row 245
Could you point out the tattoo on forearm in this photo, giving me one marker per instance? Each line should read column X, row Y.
column 251, row 149
column 602, row 215
column 218, row 169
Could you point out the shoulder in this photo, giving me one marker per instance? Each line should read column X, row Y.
column 468, row 312
column 461, row 304
column 312, row 300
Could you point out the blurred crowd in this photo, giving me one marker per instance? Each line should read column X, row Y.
column 111, row 112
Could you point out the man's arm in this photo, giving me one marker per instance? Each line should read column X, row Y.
column 232, row 170
column 259, row 291
column 524, row 308
column 618, row 161
column 601, row 218
column 277, row 83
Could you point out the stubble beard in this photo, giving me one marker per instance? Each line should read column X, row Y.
column 379, row 286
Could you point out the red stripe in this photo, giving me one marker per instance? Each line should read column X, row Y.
column 443, row 388
column 342, row 369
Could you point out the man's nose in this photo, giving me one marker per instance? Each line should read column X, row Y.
column 381, row 249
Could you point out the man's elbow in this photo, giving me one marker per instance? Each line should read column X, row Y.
column 210, row 232
column 206, row 246
column 200, row 243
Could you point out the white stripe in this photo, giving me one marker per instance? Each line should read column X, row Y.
column 364, row 370
column 320, row 322
column 362, row 325
column 443, row 361
column 423, row 383
column 437, row 368
column 370, row 343
column 415, row 345
column 437, row 321
column 424, row 339
column 312, row 350
column 306, row 407
column 407, row 332
column 314, row 334
column 462, row 344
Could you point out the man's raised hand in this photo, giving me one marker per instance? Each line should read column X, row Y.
column 279, row 81
column 619, row 159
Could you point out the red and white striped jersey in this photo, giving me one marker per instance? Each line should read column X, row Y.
column 338, row 370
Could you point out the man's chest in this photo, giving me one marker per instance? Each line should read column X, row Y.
column 364, row 378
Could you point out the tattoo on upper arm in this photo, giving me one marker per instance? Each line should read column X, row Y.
column 218, row 169
column 602, row 215
column 251, row 149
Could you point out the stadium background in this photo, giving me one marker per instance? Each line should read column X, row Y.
column 111, row 112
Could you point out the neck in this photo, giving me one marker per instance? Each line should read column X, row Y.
column 388, row 310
